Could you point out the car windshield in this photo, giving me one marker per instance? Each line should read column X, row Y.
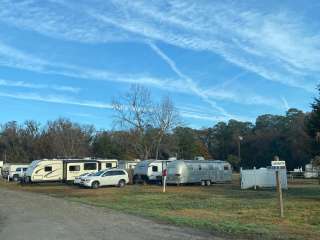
column 97, row 173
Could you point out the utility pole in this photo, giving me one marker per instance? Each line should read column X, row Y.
column 240, row 138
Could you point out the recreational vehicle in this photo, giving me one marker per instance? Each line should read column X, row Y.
column 14, row 171
column 1, row 166
column 65, row 169
column 124, row 164
column 311, row 171
column 198, row 171
column 148, row 171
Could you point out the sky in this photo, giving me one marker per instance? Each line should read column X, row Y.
column 217, row 60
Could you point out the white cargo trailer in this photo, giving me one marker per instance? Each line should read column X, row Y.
column 204, row 172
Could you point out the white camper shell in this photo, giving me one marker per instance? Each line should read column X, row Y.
column 198, row 171
column 148, row 171
column 47, row 170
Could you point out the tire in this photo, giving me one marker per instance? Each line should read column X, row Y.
column 15, row 178
column 135, row 179
column 121, row 183
column 95, row 185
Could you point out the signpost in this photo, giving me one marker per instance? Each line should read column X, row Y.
column 164, row 179
column 279, row 165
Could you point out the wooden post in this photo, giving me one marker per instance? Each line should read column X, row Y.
column 279, row 190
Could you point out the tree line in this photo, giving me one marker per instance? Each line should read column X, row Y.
column 147, row 129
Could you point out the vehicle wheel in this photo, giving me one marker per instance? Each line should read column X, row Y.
column 95, row 185
column 135, row 179
column 208, row 183
column 203, row 183
column 121, row 183
column 15, row 178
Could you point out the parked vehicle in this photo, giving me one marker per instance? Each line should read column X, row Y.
column 111, row 177
column 65, row 169
column 1, row 166
column 149, row 171
column 77, row 180
column 311, row 171
column 204, row 172
column 14, row 171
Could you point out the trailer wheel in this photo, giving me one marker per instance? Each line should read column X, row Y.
column 208, row 183
column 203, row 183
column 121, row 183
column 15, row 178
column 95, row 185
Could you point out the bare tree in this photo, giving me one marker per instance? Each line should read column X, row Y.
column 166, row 118
column 149, row 122
column 134, row 112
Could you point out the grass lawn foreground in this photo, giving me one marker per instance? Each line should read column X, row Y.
column 223, row 208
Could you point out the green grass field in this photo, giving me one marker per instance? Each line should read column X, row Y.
column 224, row 208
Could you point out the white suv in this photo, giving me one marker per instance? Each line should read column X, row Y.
column 113, row 177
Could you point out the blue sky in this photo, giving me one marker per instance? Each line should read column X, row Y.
column 216, row 59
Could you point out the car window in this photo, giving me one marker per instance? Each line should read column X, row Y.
column 97, row 173
column 18, row 169
column 110, row 173
column 24, row 169
column 118, row 173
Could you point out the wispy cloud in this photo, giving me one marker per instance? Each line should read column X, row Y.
column 59, row 99
column 23, row 84
column 278, row 46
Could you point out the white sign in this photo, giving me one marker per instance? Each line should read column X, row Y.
column 278, row 164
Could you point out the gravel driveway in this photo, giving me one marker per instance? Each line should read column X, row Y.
column 25, row 215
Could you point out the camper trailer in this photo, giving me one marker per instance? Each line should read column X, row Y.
column 198, row 171
column 126, row 165
column 1, row 166
column 14, row 171
column 65, row 169
column 149, row 171
column 311, row 171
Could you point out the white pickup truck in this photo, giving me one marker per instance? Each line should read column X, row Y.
column 14, row 171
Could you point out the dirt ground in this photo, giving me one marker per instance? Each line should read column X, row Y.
column 25, row 215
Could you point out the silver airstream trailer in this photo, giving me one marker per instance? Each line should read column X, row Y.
column 198, row 171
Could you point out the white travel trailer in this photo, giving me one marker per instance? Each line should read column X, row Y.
column 124, row 164
column 198, row 171
column 311, row 171
column 65, row 169
column 1, row 166
column 148, row 171
column 14, row 171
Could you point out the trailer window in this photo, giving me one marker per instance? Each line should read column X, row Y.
column 90, row 166
column 108, row 165
column 18, row 169
column 48, row 169
column 226, row 167
column 154, row 168
column 74, row 168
